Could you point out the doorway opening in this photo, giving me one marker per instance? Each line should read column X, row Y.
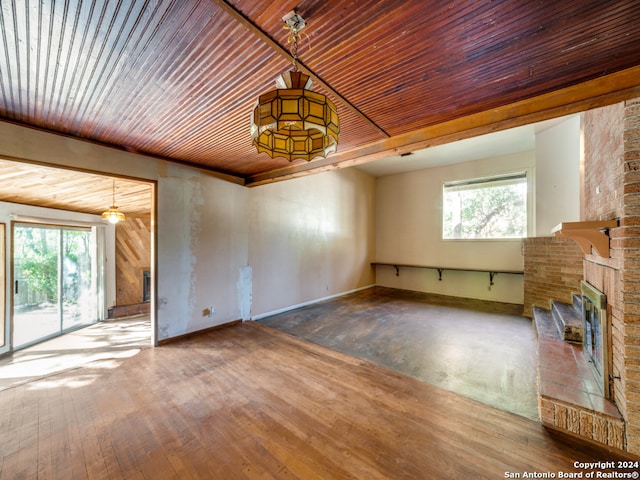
column 66, row 267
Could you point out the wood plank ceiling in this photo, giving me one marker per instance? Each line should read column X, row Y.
column 61, row 189
column 178, row 79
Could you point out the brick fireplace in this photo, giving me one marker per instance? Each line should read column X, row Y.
column 611, row 190
column 571, row 393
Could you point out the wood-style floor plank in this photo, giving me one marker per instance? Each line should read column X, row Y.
column 248, row 402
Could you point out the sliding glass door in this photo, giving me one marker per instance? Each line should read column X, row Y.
column 4, row 341
column 78, row 280
column 54, row 281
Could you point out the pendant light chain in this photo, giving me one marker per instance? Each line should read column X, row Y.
column 294, row 23
column 294, row 53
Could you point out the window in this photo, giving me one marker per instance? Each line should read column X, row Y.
column 494, row 207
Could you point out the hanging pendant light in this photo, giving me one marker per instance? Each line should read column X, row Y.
column 292, row 121
column 112, row 214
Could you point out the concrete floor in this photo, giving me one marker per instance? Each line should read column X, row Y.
column 486, row 356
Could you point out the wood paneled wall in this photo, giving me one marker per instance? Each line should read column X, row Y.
column 133, row 257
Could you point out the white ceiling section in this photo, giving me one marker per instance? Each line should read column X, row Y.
column 491, row 145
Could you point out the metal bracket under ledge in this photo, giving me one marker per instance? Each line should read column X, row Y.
column 492, row 273
column 587, row 235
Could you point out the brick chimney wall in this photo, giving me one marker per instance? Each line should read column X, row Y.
column 626, row 242
column 612, row 191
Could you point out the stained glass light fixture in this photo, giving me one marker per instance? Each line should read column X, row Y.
column 112, row 214
column 292, row 121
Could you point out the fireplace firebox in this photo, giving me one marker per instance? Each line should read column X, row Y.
column 596, row 334
column 146, row 286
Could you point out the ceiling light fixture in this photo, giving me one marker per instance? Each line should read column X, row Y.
column 112, row 214
column 292, row 121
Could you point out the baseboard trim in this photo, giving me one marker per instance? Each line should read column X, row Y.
column 494, row 306
column 304, row 304
column 197, row 333
column 118, row 312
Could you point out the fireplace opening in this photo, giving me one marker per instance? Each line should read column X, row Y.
column 596, row 334
column 146, row 286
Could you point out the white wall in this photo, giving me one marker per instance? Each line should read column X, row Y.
column 311, row 238
column 409, row 231
column 558, row 158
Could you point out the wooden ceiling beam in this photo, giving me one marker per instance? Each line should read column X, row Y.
column 599, row 92
column 275, row 46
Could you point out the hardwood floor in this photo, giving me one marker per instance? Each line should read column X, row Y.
column 100, row 341
column 249, row 402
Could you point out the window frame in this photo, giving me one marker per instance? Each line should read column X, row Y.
column 527, row 173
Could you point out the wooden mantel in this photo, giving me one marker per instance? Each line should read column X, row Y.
column 587, row 235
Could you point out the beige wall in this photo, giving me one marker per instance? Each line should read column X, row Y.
column 558, row 179
column 202, row 246
column 311, row 238
column 408, row 221
column 409, row 231
column 221, row 245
